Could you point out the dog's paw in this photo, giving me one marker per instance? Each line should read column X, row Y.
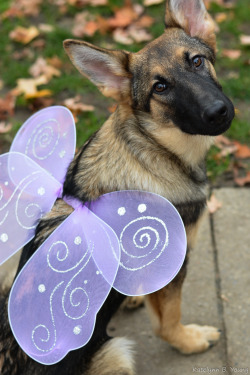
column 193, row 338
column 133, row 302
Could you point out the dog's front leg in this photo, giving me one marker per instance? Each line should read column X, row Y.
column 164, row 309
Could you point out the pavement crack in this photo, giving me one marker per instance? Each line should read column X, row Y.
column 220, row 305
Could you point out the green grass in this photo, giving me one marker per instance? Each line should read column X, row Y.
column 233, row 74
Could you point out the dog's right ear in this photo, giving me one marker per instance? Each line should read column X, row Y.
column 192, row 17
column 107, row 69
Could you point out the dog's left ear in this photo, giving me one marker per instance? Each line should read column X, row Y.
column 193, row 18
column 107, row 69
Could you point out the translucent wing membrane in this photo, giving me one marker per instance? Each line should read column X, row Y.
column 151, row 235
column 26, row 193
column 130, row 240
column 55, row 299
column 48, row 137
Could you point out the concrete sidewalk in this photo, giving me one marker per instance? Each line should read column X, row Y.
column 216, row 292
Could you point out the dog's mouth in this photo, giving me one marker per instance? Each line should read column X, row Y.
column 217, row 117
column 218, row 128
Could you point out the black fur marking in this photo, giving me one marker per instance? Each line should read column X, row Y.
column 191, row 211
column 70, row 187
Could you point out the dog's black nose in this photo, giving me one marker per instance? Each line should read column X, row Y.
column 215, row 113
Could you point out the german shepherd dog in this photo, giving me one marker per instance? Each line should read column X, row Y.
column 170, row 107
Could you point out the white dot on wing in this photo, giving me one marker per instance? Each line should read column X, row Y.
column 121, row 211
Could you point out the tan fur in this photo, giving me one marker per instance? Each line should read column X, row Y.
column 164, row 309
column 114, row 358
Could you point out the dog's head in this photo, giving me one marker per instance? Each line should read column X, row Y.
column 172, row 80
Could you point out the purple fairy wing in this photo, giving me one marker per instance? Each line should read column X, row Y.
column 48, row 137
column 26, row 192
column 55, row 298
column 152, row 239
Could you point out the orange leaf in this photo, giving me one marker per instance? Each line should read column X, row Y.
column 213, row 204
column 144, row 21
column 39, row 94
column 90, row 28
column 7, row 106
column 55, row 62
column 123, row 16
column 112, row 108
column 221, row 17
column 243, row 151
column 232, row 54
column 24, row 35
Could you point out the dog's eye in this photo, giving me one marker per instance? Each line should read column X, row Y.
column 160, row 87
column 197, row 61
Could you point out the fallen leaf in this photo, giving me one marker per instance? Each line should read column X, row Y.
column 139, row 35
column 39, row 94
column 124, row 16
column 82, row 3
column 243, row 151
column 241, row 181
column 224, row 298
column 12, row 12
column 222, row 140
column 5, row 128
column 20, row 8
column 233, row 75
column 45, row 28
column 232, row 54
column 28, row 86
column 41, row 67
column 25, row 53
column 245, row 40
column 24, row 35
column 39, row 44
column 148, row 3
column 222, row 3
column 55, row 61
column 112, row 108
column 213, row 204
column 144, row 21
column 90, row 28
column 226, row 146
column 84, row 24
column 76, row 106
column 7, row 105
column 41, row 102
column 221, row 17
column 122, row 36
